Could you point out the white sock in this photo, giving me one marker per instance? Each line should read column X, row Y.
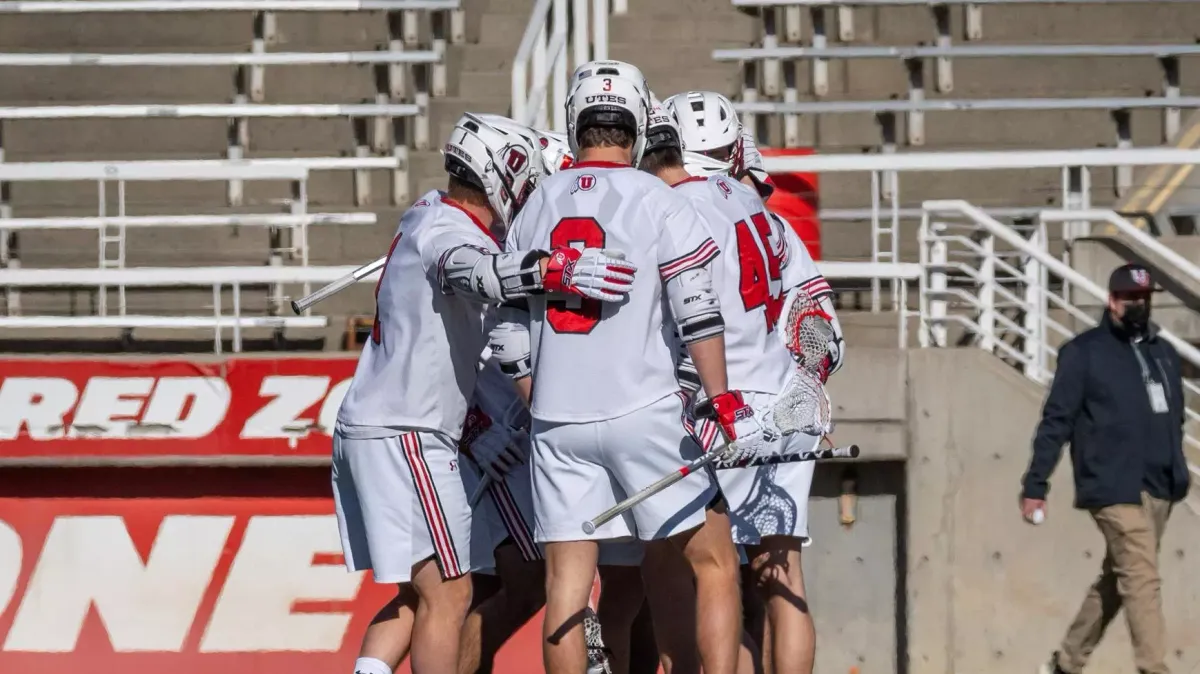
column 371, row 666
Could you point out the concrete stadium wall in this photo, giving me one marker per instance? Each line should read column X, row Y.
column 988, row 592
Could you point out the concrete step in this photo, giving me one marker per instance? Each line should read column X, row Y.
column 305, row 31
column 503, row 29
column 48, row 139
column 302, row 135
column 125, row 85
column 659, row 31
column 484, row 85
column 1060, row 129
column 127, row 31
column 340, row 84
column 486, row 58
column 444, row 113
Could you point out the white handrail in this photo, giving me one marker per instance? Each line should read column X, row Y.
column 1077, row 280
column 1178, row 262
column 156, row 221
column 215, row 110
column 548, row 44
column 979, row 161
column 234, row 59
column 90, row 6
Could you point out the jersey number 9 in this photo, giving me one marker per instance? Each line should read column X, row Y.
column 761, row 269
column 575, row 315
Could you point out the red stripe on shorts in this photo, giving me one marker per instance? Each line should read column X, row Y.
column 431, row 506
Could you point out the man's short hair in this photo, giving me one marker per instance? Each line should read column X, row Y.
column 605, row 136
column 466, row 193
column 661, row 159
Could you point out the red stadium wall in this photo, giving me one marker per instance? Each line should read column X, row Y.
column 191, row 570
column 797, row 200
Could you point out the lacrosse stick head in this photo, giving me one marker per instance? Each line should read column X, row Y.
column 807, row 331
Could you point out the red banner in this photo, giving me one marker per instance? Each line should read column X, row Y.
column 187, row 586
column 113, row 409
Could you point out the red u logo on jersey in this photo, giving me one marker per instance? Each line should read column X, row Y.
column 584, row 183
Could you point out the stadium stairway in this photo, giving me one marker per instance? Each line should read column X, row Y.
column 477, row 79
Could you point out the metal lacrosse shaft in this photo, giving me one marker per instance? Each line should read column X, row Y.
column 300, row 305
column 589, row 527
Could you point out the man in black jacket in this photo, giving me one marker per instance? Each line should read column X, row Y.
column 1117, row 397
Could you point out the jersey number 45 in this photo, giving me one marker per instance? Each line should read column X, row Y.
column 761, row 269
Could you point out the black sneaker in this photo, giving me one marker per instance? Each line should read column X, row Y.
column 1051, row 666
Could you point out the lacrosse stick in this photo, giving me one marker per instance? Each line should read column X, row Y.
column 802, row 406
column 300, row 305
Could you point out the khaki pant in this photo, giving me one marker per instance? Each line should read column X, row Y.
column 1129, row 580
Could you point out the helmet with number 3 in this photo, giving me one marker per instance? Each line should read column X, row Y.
column 504, row 163
column 608, row 94
column 711, row 132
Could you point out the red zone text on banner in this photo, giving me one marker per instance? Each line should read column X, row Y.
column 188, row 586
column 265, row 410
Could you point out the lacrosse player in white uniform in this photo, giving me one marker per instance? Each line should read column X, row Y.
column 402, row 509
column 607, row 420
column 768, row 504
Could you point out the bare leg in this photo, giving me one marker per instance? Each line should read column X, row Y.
column 443, row 607
column 780, row 581
column 389, row 635
column 714, row 561
column 494, row 620
column 756, row 642
column 621, row 598
column 570, row 573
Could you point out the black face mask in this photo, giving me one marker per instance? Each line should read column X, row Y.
column 1136, row 318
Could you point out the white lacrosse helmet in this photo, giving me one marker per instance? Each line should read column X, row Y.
column 709, row 128
column 608, row 94
column 556, row 151
column 555, row 154
column 503, row 162
column 662, row 131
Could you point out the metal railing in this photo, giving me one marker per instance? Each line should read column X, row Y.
column 542, row 68
column 1004, row 292
column 1074, row 167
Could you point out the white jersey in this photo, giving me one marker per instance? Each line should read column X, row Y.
column 748, row 279
column 799, row 269
column 591, row 360
column 418, row 369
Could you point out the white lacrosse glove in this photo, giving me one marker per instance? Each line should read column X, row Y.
column 744, row 436
column 593, row 273
column 508, row 343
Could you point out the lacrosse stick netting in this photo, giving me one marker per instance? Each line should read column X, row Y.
column 803, row 405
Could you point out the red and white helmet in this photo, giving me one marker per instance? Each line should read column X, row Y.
column 555, row 153
column 502, row 161
column 608, row 94
column 711, row 132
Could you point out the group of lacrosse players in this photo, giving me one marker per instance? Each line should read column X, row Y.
column 571, row 320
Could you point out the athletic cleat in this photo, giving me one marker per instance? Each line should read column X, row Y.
column 597, row 652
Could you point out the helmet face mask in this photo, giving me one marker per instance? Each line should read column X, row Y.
column 710, row 129
column 500, row 159
column 610, row 94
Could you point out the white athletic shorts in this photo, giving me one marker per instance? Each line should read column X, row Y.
column 401, row 500
column 581, row 470
column 505, row 513
column 765, row 500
